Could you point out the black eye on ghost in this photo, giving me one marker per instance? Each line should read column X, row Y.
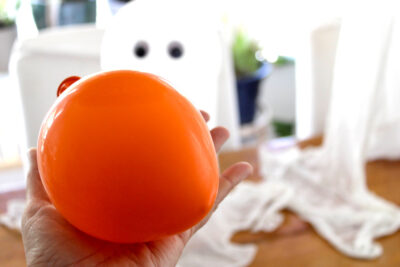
column 141, row 49
column 175, row 50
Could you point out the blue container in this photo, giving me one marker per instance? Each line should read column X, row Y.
column 248, row 91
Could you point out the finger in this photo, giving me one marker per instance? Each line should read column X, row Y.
column 219, row 136
column 205, row 115
column 230, row 178
column 34, row 186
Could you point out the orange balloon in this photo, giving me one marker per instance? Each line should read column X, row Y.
column 126, row 158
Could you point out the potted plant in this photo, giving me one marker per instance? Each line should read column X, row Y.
column 249, row 72
column 7, row 31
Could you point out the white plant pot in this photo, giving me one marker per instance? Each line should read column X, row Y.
column 7, row 38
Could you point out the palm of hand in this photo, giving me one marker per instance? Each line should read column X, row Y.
column 51, row 241
column 57, row 243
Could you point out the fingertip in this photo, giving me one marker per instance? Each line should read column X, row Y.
column 247, row 166
column 238, row 171
column 226, row 131
column 219, row 136
column 231, row 177
column 221, row 131
column 31, row 153
column 244, row 169
column 205, row 115
column 32, row 158
column 34, row 186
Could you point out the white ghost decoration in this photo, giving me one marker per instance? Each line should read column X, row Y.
column 179, row 41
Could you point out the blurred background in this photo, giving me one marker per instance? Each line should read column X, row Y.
column 278, row 51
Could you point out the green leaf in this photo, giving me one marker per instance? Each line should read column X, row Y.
column 7, row 12
column 283, row 128
column 244, row 54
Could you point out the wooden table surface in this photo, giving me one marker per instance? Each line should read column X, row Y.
column 294, row 243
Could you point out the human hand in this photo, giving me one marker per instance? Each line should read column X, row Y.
column 49, row 240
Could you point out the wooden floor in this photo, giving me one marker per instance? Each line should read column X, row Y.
column 293, row 244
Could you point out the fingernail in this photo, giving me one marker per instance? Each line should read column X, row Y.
column 249, row 171
column 30, row 153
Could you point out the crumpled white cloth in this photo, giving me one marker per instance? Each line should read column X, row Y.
column 12, row 218
column 350, row 222
column 329, row 182
column 251, row 206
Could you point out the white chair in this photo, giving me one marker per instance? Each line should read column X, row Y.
column 39, row 64
column 315, row 72
column 314, row 75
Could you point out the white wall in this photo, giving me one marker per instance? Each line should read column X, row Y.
column 278, row 93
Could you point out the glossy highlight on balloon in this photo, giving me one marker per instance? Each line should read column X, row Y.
column 125, row 158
